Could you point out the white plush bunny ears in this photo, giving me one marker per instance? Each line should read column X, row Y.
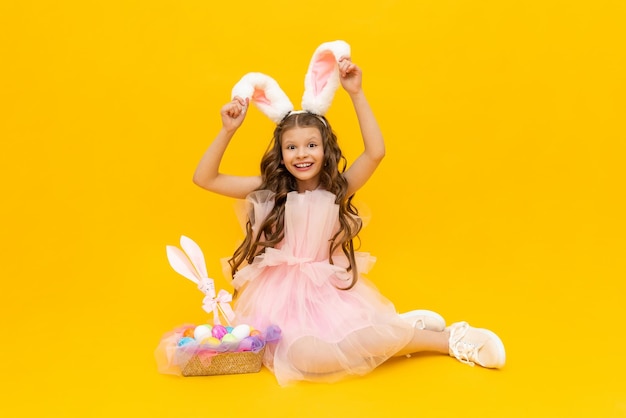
column 320, row 83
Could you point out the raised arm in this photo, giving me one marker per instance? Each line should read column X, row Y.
column 207, row 173
column 373, row 143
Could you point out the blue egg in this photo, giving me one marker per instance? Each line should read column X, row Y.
column 185, row 341
column 229, row 329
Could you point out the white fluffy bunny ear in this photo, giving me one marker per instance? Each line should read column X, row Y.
column 322, row 78
column 265, row 93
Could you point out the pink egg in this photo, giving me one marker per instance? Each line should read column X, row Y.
column 219, row 331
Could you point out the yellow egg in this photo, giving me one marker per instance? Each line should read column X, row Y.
column 212, row 341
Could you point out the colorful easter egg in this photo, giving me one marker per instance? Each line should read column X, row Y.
column 219, row 331
column 241, row 331
column 185, row 341
column 201, row 332
column 230, row 340
column 189, row 332
column 255, row 332
column 212, row 341
column 229, row 329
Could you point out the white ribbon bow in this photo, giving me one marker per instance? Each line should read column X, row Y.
column 217, row 304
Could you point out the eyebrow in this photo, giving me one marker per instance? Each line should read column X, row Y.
column 311, row 138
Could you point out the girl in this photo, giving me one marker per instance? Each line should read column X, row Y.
column 297, row 267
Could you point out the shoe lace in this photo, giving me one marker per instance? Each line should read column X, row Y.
column 419, row 323
column 464, row 351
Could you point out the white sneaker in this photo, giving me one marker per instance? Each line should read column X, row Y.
column 476, row 345
column 423, row 319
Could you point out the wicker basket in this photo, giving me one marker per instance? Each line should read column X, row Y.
column 224, row 363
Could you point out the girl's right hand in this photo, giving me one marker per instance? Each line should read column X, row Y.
column 233, row 113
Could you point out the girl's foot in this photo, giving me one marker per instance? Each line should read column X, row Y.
column 476, row 345
column 423, row 319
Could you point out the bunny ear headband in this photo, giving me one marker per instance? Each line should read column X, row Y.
column 320, row 83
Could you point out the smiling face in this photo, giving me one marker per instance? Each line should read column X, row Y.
column 303, row 155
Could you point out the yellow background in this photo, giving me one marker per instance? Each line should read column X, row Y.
column 501, row 200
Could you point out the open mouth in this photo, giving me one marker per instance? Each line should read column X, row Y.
column 304, row 165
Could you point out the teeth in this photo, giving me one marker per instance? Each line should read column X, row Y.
column 304, row 165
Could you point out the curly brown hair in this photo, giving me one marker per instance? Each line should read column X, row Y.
column 277, row 179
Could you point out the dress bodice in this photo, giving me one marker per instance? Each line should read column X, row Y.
column 311, row 220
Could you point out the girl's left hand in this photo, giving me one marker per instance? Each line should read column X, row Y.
column 350, row 75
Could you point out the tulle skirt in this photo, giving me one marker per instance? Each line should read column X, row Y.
column 326, row 333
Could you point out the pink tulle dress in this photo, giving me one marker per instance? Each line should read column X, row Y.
column 327, row 333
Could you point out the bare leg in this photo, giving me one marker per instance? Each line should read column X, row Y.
column 424, row 340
